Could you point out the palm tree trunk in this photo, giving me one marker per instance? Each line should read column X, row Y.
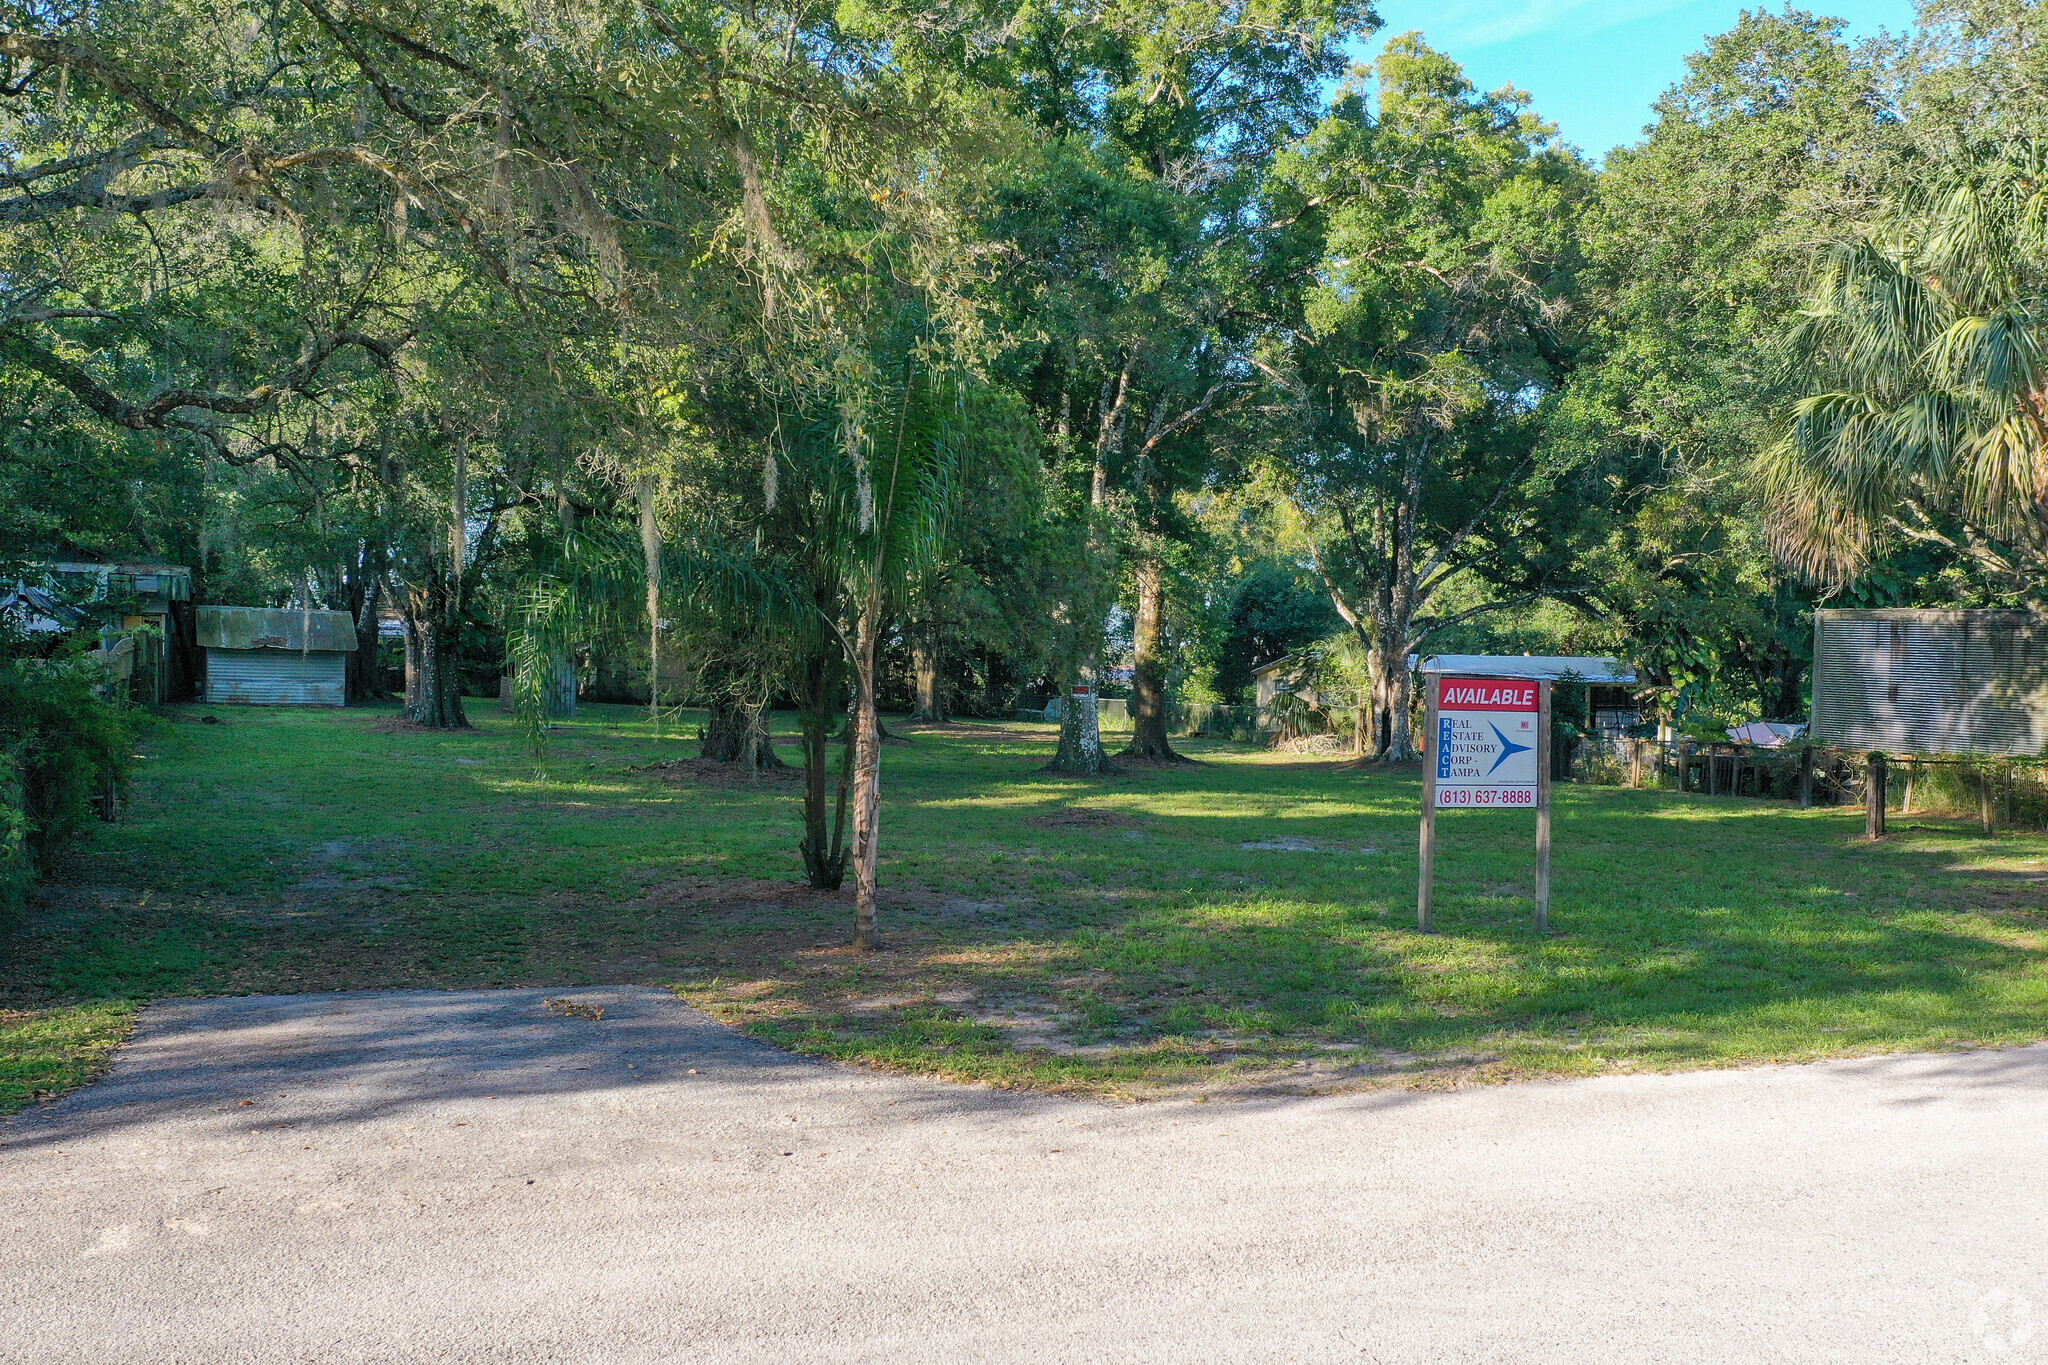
column 823, row 848
column 650, row 553
column 867, row 784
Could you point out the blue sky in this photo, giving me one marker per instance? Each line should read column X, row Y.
column 1595, row 66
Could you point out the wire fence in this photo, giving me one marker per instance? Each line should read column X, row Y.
column 1992, row 790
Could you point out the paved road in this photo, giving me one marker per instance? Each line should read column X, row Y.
column 427, row 1176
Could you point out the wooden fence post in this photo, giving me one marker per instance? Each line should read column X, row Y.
column 1873, row 799
column 1984, row 799
column 1806, row 778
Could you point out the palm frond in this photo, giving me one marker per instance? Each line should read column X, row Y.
column 598, row 584
column 1923, row 364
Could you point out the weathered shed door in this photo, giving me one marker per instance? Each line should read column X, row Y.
column 277, row 677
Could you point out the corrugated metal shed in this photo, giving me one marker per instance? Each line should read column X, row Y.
column 264, row 657
column 275, row 628
column 1597, row 671
column 266, row 677
column 1931, row 682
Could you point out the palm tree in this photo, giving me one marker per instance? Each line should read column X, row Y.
column 860, row 492
column 1923, row 365
column 878, row 475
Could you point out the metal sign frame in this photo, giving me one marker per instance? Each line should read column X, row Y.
column 1426, row 878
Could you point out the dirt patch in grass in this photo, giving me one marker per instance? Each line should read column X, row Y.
column 399, row 725
column 711, row 773
column 1084, row 817
column 1157, row 765
column 967, row 730
column 677, row 893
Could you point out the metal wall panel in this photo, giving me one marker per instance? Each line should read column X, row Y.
column 1931, row 682
column 277, row 677
column 275, row 628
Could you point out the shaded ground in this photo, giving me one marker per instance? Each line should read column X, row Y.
column 429, row 1176
column 1242, row 925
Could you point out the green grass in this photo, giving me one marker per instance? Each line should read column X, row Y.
column 1109, row 937
column 44, row 1053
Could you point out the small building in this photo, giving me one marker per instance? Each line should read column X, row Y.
column 276, row 657
column 1905, row 681
column 34, row 610
column 1610, row 703
column 141, row 613
column 123, row 596
column 1284, row 675
column 1767, row 734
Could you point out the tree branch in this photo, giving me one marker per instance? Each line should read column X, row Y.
column 1421, row 628
column 1192, row 415
column 79, row 57
column 394, row 101
column 158, row 412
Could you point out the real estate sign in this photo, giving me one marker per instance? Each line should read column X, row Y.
column 1488, row 749
column 1486, row 742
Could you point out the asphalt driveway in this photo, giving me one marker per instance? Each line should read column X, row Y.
column 474, row 1176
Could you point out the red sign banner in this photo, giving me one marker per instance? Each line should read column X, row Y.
column 1484, row 694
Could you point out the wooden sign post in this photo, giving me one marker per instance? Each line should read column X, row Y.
column 1487, row 748
column 1426, row 880
column 1543, row 806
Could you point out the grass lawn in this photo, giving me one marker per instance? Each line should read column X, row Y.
column 1243, row 926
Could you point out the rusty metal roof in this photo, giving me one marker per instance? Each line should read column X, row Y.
column 268, row 628
column 1601, row 672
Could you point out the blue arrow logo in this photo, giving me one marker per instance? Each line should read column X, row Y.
column 1507, row 747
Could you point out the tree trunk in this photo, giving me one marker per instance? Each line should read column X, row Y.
column 412, row 665
column 992, row 697
column 1393, row 699
column 824, row 851
column 1400, row 601
column 930, row 703
column 1080, row 753
column 433, row 677
column 1148, row 678
column 650, row 553
column 366, row 596
column 433, row 615
column 867, row 785
column 1790, row 704
column 736, row 733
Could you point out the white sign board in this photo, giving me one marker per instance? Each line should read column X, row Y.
column 1485, row 745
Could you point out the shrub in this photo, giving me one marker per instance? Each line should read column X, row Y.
column 17, row 862
column 62, row 746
